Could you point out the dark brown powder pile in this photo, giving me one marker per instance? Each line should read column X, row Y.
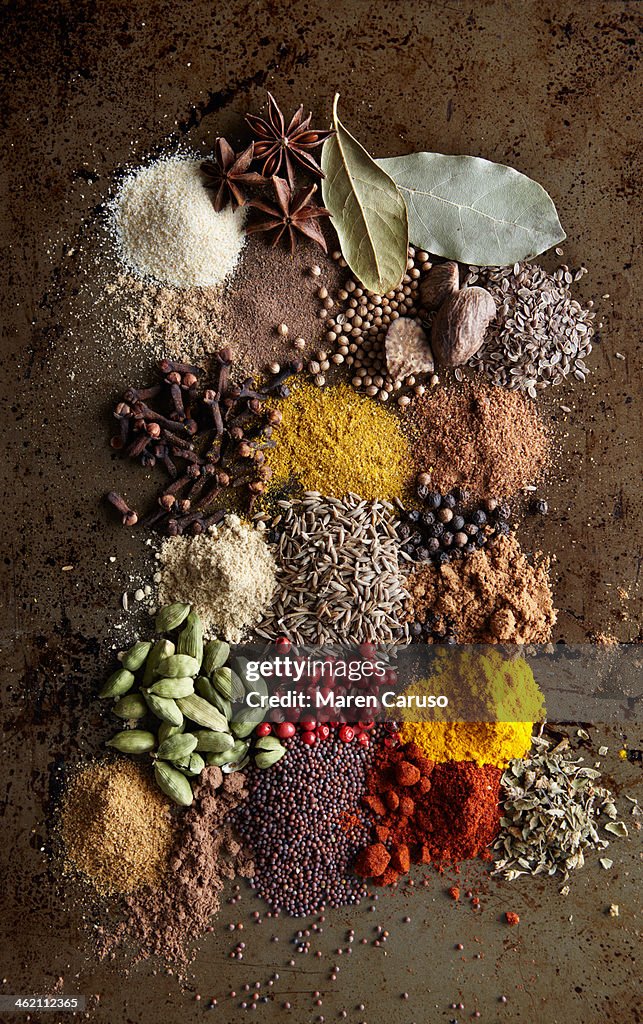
column 270, row 287
column 165, row 921
column 492, row 596
column 487, row 439
column 116, row 827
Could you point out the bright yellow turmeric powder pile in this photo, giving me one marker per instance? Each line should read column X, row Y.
column 337, row 442
column 500, row 690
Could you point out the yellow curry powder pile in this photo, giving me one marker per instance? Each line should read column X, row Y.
column 116, row 827
column 499, row 690
column 337, row 442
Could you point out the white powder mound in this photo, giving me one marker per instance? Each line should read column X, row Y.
column 168, row 229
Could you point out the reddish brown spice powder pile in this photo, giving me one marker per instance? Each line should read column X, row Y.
column 427, row 813
column 486, row 439
column 495, row 595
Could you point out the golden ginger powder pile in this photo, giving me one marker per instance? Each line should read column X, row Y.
column 116, row 827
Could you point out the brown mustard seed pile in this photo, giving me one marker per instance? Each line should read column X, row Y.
column 492, row 596
column 356, row 324
column 116, row 827
column 484, row 438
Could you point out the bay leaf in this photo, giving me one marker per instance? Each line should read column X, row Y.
column 473, row 210
column 369, row 213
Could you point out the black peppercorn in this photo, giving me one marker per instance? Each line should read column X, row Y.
column 503, row 512
column 457, row 523
column 471, row 529
column 479, row 517
column 448, row 500
column 539, row 506
column 404, row 531
column 436, row 530
column 433, row 545
column 428, row 518
column 413, row 516
column 481, row 540
column 422, row 492
column 434, row 499
column 460, row 539
column 445, row 515
column 422, row 554
column 441, row 558
column 447, row 539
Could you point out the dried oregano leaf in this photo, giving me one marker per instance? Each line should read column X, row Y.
column 472, row 210
column 369, row 214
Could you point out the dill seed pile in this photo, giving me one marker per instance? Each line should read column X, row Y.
column 116, row 827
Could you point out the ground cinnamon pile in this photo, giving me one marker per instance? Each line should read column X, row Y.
column 116, row 827
column 486, row 439
column 424, row 812
column 165, row 921
column 492, row 596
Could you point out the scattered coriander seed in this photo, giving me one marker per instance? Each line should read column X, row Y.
column 315, row 271
column 282, row 330
column 320, row 380
column 322, row 292
column 274, row 367
column 299, row 343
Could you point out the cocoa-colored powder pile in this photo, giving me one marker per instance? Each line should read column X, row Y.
column 487, row 439
column 270, row 287
column 116, row 827
column 166, row 920
column 492, row 596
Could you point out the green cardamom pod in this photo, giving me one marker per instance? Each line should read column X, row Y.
column 222, row 705
column 173, row 687
column 228, row 684
column 133, row 741
column 236, row 767
column 164, row 708
column 130, row 706
column 213, row 742
column 236, row 754
column 173, row 783
column 193, row 767
column 191, row 638
column 135, row 657
column 119, row 683
column 269, row 743
column 178, row 665
column 245, row 720
column 266, row 758
column 161, row 649
column 177, row 748
column 171, row 617
column 203, row 713
column 215, row 655
column 204, row 688
column 166, row 730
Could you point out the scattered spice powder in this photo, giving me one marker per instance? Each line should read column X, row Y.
column 226, row 573
column 166, row 921
column 116, row 827
column 501, row 691
column 425, row 812
column 493, row 596
column 338, row 443
column 484, row 438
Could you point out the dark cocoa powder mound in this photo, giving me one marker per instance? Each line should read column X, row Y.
column 270, row 287
column 165, row 921
column 487, row 439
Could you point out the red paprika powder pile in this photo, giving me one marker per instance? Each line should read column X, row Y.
column 425, row 812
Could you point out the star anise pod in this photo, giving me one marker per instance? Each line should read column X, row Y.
column 278, row 146
column 227, row 172
column 294, row 212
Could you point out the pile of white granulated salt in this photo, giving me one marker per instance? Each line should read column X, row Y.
column 168, row 230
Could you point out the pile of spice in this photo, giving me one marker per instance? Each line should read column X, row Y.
column 540, row 334
column 116, row 827
column 498, row 690
column 168, row 230
column 550, row 807
column 448, row 526
column 493, row 596
column 489, row 440
column 357, row 322
column 227, row 574
column 166, row 921
column 425, row 813
column 337, row 442
column 339, row 572
column 304, row 825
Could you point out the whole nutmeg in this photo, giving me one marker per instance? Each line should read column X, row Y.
column 441, row 281
column 460, row 324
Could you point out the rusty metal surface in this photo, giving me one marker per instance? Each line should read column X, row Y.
column 552, row 89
